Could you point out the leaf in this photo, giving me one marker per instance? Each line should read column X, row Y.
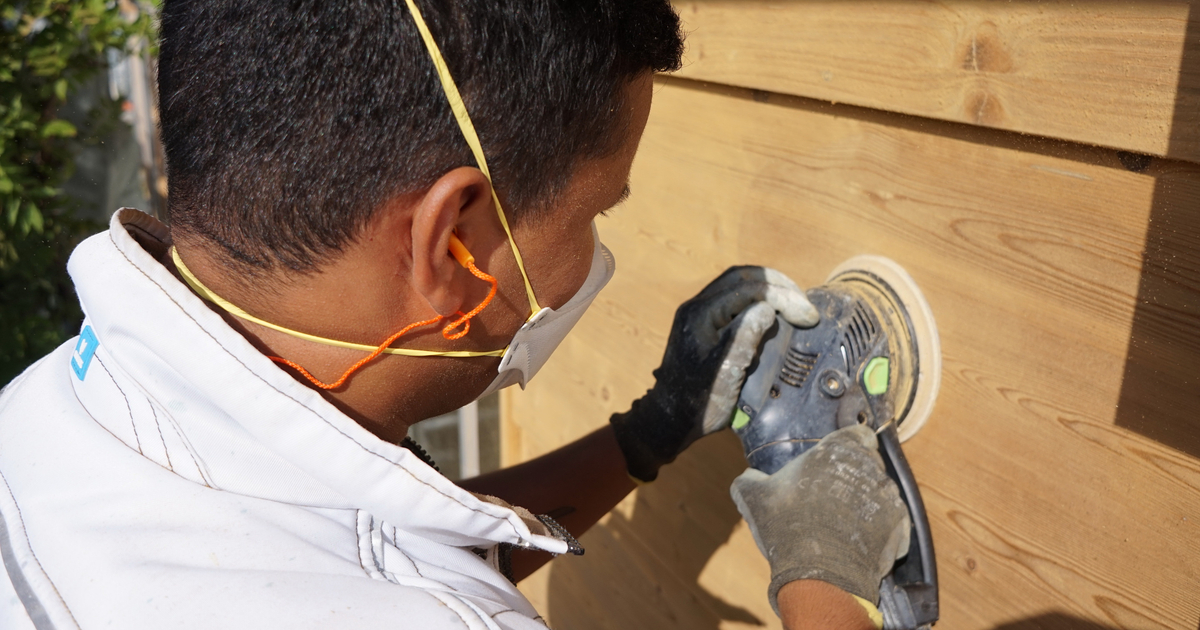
column 8, row 255
column 58, row 128
column 60, row 89
column 14, row 206
column 33, row 218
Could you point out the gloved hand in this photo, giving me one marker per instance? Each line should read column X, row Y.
column 714, row 338
column 831, row 514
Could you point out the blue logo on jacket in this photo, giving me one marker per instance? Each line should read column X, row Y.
column 85, row 349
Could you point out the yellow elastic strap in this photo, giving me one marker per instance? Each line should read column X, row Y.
column 468, row 130
column 872, row 611
column 232, row 309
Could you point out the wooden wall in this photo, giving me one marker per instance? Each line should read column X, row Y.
column 1000, row 151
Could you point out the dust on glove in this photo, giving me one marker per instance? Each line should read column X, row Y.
column 831, row 514
column 713, row 340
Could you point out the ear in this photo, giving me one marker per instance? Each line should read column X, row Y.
column 458, row 198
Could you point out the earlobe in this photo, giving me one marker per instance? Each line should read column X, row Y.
column 437, row 215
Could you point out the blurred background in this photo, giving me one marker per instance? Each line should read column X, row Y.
column 77, row 125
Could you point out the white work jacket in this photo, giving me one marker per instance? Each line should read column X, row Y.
column 158, row 472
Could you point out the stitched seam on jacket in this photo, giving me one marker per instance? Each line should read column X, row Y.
column 94, row 419
column 488, row 620
column 21, row 519
column 416, row 569
column 435, row 595
column 298, row 402
column 378, row 552
column 205, row 483
column 114, row 435
column 358, row 550
column 128, row 407
column 153, row 404
column 359, row 540
column 206, row 479
column 158, row 425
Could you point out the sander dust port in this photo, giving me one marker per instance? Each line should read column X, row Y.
column 874, row 359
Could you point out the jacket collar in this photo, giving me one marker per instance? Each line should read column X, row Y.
column 277, row 438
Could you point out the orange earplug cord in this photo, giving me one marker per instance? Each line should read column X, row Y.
column 464, row 258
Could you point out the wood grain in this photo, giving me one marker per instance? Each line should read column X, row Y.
column 1030, row 253
column 1116, row 74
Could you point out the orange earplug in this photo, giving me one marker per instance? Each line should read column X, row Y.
column 459, row 251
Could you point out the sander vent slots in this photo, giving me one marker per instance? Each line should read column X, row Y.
column 859, row 335
column 797, row 366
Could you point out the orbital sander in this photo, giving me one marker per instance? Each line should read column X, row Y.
column 874, row 359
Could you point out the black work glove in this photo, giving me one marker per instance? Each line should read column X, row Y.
column 713, row 340
column 831, row 514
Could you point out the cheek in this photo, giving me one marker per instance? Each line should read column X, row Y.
column 558, row 268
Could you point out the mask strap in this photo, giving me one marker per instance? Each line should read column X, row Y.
column 463, row 321
column 468, row 131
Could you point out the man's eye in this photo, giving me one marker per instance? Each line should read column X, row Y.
column 624, row 195
column 620, row 200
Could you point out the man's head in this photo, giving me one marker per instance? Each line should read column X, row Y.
column 287, row 125
column 317, row 173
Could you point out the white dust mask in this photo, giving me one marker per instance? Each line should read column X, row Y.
column 533, row 344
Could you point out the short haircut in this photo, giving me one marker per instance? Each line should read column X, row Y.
column 288, row 123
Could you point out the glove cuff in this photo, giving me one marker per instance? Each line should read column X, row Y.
column 648, row 437
column 640, row 460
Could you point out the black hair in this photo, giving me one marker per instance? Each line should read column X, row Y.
column 288, row 123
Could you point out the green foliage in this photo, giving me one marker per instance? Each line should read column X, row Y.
column 47, row 48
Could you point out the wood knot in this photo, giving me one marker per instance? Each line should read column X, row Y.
column 983, row 108
column 984, row 51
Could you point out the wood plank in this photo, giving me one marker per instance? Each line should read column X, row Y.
column 1043, row 507
column 1113, row 74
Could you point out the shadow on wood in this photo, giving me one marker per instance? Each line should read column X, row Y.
column 1053, row 621
column 1160, row 392
column 698, row 480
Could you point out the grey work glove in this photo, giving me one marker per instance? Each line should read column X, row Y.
column 831, row 514
column 714, row 338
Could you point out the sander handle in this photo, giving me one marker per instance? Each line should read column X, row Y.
column 916, row 574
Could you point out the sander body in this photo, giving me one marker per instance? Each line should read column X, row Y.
column 873, row 359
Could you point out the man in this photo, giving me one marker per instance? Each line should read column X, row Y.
column 224, row 445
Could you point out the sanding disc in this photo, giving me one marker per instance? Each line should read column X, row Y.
column 895, row 281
